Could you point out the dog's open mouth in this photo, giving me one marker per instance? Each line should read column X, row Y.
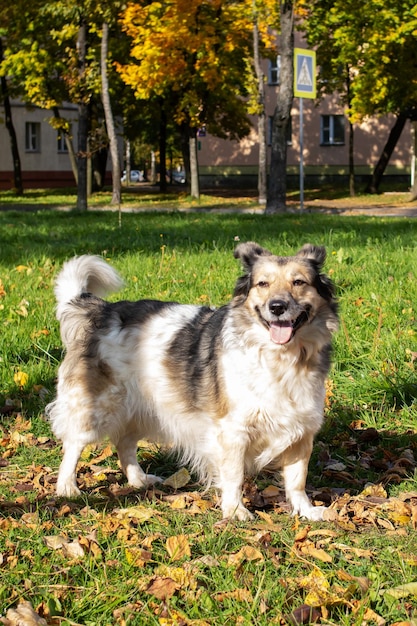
column 282, row 332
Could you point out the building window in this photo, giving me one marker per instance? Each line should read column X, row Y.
column 33, row 137
column 61, row 143
column 274, row 71
column 332, row 130
column 289, row 131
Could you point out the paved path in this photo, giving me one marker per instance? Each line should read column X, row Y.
column 331, row 207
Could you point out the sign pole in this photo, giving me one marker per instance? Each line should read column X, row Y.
column 304, row 87
column 301, row 156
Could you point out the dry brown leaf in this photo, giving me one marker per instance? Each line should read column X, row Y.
column 309, row 549
column 363, row 582
column 73, row 550
column 373, row 618
column 179, row 479
column 178, row 547
column 148, row 541
column 183, row 577
column 374, row 490
column 139, row 513
column 207, row 560
column 55, row 542
column 246, row 553
column 162, row 587
column 23, row 615
column 104, row 454
column 138, row 556
column 323, row 532
column 90, row 545
column 302, row 534
column 240, row 595
column 200, row 506
column 305, row 614
column 178, row 503
column 359, row 552
column 271, row 492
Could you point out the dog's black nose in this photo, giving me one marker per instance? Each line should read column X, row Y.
column 278, row 307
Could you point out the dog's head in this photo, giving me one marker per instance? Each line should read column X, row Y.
column 285, row 293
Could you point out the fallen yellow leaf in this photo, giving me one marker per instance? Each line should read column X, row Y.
column 179, row 479
column 178, row 547
column 247, row 553
column 20, row 378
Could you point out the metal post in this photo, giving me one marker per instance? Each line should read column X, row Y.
column 301, row 157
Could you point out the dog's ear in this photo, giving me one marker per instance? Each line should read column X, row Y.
column 316, row 254
column 248, row 252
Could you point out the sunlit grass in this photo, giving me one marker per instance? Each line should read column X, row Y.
column 189, row 258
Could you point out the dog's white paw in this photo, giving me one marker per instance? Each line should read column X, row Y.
column 312, row 513
column 238, row 512
column 67, row 490
column 143, row 481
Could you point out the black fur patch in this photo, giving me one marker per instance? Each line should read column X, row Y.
column 194, row 355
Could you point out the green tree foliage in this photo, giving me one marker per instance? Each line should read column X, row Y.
column 196, row 52
column 377, row 44
column 369, row 56
column 52, row 55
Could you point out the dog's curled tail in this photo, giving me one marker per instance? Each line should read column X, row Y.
column 84, row 274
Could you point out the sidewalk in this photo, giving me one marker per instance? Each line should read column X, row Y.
column 336, row 207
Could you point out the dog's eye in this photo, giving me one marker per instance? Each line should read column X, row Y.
column 298, row 282
column 263, row 283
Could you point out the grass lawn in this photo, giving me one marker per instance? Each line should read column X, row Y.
column 117, row 556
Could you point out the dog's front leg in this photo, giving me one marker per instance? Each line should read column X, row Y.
column 295, row 462
column 127, row 450
column 67, row 476
column 230, row 461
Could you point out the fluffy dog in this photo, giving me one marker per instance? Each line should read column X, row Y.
column 234, row 389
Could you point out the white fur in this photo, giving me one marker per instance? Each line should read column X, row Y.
column 274, row 400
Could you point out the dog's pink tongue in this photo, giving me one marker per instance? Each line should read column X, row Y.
column 280, row 332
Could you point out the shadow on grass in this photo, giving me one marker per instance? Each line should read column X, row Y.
column 26, row 237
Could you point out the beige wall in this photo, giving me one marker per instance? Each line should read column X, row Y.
column 369, row 139
column 48, row 158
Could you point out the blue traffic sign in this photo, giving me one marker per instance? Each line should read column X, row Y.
column 304, row 73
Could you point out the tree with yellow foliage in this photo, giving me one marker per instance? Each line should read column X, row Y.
column 192, row 55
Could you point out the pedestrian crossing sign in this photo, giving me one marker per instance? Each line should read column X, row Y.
column 304, row 73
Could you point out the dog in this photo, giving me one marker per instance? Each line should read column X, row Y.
column 234, row 389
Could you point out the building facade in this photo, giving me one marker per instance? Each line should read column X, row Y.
column 45, row 161
column 325, row 145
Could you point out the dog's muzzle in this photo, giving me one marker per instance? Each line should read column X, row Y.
column 291, row 316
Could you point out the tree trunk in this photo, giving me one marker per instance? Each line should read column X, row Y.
column 17, row 168
column 277, row 189
column 413, row 190
column 185, row 151
column 82, row 122
column 195, row 183
column 163, row 151
column 153, row 168
column 393, row 138
column 127, row 157
column 69, row 144
column 108, row 114
column 262, row 161
column 352, row 191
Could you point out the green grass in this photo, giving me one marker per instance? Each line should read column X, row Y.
column 189, row 257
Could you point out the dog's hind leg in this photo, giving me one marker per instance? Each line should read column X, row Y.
column 67, row 476
column 127, row 449
column 294, row 468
